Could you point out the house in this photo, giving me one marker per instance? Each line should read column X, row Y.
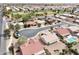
column 41, row 22
column 76, row 10
column 48, row 38
column 71, row 19
column 56, row 48
column 76, row 33
column 69, row 15
column 77, row 20
column 62, row 17
column 32, row 47
column 62, row 31
column 8, row 8
column 50, row 20
column 30, row 23
column 73, row 28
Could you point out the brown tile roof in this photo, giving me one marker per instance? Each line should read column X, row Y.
column 31, row 47
column 56, row 46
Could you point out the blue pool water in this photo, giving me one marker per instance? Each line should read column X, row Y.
column 72, row 39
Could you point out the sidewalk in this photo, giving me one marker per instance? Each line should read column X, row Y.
column 9, row 41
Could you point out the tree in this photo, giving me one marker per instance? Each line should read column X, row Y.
column 16, row 16
column 69, row 45
column 56, row 51
column 47, row 52
column 51, row 28
column 55, row 14
column 64, row 51
column 22, row 40
column 58, row 11
column 26, row 17
column 20, row 10
column 45, row 13
column 42, row 9
column 72, row 11
column 17, row 27
column 7, row 33
column 11, row 27
column 76, row 52
column 39, row 25
column 6, row 12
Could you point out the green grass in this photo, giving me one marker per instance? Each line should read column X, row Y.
column 21, row 13
column 49, row 12
column 22, row 40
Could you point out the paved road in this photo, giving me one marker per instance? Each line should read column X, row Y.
column 33, row 32
column 2, row 39
column 65, row 21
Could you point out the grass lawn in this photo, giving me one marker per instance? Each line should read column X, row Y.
column 20, row 13
column 49, row 12
column 22, row 40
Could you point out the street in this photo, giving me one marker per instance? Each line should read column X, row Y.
column 32, row 32
column 2, row 39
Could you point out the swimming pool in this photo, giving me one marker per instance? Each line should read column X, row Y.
column 71, row 40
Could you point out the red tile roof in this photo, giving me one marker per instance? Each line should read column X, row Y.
column 31, row 47
column 62, row 31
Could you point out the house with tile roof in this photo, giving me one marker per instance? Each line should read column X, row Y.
column 74, row 28
column 56, row 48
column 62, row 32
column 48, row 37
column 32, row 47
